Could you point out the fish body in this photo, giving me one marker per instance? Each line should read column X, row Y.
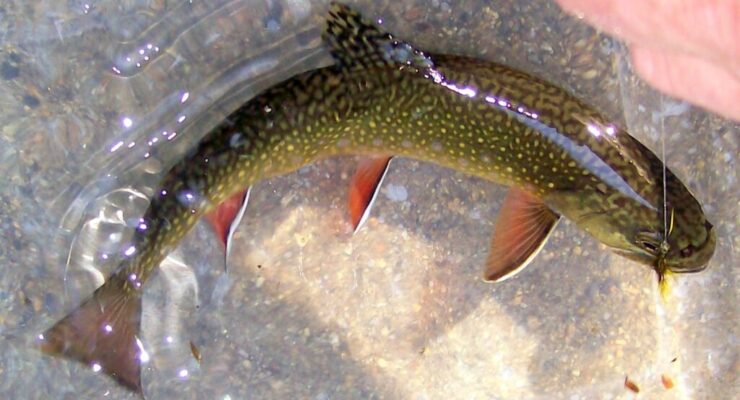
column 385, row 98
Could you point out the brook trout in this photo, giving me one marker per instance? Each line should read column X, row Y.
column 382, row 98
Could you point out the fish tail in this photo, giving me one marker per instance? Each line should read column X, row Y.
column 102, row 333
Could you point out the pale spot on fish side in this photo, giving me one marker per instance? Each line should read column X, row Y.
column 396, row 192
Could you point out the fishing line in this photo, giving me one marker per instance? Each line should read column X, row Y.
column 665, row 162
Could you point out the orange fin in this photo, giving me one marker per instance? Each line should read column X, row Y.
column 226, row 217
column 363, row 188
column 522, row 228
column 102, row 333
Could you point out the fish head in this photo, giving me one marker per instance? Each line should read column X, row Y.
column 681, row 252
column 689, row 239
column 681, row 242
column 688, row 248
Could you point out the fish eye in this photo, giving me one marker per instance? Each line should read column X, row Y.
column 651, row 247
column 686, row 252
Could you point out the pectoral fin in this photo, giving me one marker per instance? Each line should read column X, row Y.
column 363, row 188
column 522, row 228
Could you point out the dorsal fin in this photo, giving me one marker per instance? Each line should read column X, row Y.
column 358, row 44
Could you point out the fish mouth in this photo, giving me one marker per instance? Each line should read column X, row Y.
column 642, row 258
column 692, row 270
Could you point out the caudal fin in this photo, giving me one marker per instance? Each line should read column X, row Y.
column 102, row 333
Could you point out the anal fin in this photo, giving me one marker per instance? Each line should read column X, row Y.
column 363, row 188
column 523, row 225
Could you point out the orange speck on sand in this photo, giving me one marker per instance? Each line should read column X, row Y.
column 629, row 384
column 667, row 381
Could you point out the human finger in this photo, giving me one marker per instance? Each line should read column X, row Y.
column 706, row 28
column 693, row 79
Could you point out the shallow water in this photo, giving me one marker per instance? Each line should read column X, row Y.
column 306, row 309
